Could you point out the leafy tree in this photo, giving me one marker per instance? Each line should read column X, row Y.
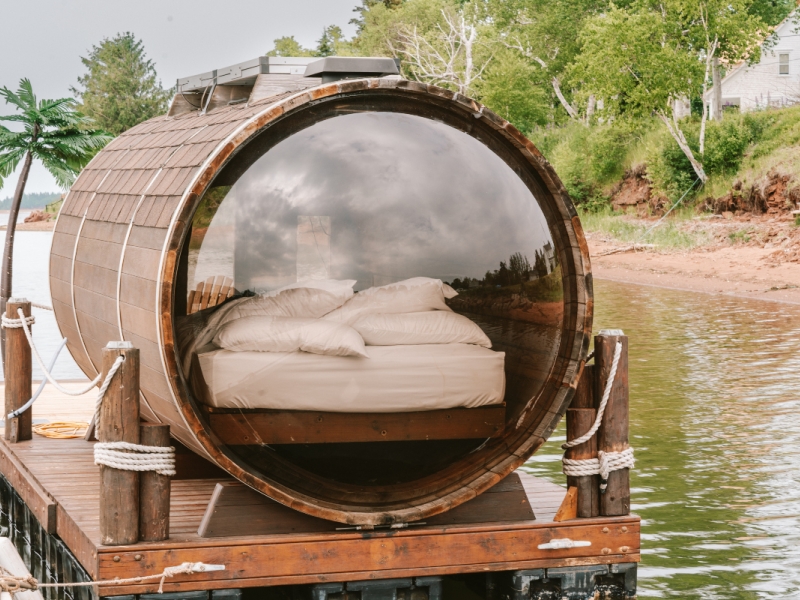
column 332, row 38
column 545, row 34
column 288, row 46
column 53, row 133
column 120, row 88
column 645, row 59
column 514, row 89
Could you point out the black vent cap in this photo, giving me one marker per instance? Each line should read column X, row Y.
column 350, row 67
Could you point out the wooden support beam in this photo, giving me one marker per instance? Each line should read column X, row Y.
column 154, row 489
column 613, row 433
column 18, row 375
column 119, row 422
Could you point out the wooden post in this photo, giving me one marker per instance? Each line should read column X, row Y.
column 154, row 490
column 579, row 421
column 18, row 374
column 119, row 422
column 613, row 433
column 584, row 398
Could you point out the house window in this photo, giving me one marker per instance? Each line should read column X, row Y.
column 783, row 64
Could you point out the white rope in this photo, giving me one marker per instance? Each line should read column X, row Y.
column 133, row 457
column 17, row 323
column 38, row 391
column 602, row 408
column 603, row 465
column 606, row 462
column 13, row 584
column 25, row 322
column 102, row 391
column 42, row 306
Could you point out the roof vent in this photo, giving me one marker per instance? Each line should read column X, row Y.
column 334, row 68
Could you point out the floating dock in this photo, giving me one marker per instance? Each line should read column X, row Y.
column 59, row 482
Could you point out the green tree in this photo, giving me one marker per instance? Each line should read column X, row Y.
column 288, row 46
column 647, row 59
column 332, row 38
column 53, row 133
column 120, row 88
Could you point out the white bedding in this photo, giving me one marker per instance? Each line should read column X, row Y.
column 393, row 379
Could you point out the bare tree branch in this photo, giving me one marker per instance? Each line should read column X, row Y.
column 448, row 57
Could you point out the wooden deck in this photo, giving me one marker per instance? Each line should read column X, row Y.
column 59, row 482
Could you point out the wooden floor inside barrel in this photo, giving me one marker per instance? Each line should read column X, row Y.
column 59, row 482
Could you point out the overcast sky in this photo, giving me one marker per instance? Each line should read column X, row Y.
column 43, row 40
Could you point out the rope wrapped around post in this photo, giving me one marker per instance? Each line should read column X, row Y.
column 606, row 462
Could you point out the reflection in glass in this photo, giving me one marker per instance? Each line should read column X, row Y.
column 379, row 198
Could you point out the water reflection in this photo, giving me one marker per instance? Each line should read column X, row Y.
column 715, row 420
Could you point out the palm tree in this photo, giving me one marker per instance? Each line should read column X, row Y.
column 54, row 133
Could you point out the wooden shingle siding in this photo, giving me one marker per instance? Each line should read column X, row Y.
column 114, row 264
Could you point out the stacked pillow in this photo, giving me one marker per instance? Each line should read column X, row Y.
column 326, row 317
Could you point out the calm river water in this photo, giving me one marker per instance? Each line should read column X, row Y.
column 715, row 420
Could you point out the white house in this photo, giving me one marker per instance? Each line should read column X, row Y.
column 774, row 81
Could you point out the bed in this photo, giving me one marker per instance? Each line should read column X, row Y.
column 407, row 391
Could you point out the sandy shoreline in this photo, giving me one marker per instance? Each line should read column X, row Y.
column 733, row 271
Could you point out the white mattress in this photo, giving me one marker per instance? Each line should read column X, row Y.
column 393, row 379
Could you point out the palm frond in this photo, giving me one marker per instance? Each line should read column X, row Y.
column 62, row 171
column 25, row 93
column 9, row 161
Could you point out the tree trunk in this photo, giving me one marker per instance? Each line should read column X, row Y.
column 716, row 97
column 677, row 134
column 590, row 106
column 8, row 251
column 567, row 106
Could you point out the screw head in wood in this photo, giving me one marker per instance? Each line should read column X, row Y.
column 137, row 557
column 606, row 550
column 624, row 549
column 605, row 529
column 116, row 559
column 624, row 529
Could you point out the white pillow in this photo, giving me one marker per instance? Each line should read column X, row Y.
column 342, row 288
column 432, row 327
column 418, row 294
column 286, row 334
column 301, row 302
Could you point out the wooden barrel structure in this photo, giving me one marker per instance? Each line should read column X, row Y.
column 125, row 265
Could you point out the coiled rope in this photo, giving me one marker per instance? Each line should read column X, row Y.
column 134, row 457
column 606, row 462
column 13, row 583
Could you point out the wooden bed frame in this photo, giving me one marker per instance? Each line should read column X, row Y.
column 235, row 426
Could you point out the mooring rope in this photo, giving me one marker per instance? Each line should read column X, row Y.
column 134, row 457
column 13, row 583
column 606, row 462
column 25, row 323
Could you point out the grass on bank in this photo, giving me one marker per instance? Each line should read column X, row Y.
column 669, row 234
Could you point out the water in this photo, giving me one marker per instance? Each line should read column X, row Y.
column 31, row 281
column 715, row 421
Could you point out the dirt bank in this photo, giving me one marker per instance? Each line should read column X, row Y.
column 738, row 270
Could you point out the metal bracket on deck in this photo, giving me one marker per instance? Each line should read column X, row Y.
column 607, row 582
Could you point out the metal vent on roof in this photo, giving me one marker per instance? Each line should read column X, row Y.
column 334, row 68
column 245, row 73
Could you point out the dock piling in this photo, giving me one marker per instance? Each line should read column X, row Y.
column 613, row 433
column 19, row 374
column 119, row 422
column 154, row 490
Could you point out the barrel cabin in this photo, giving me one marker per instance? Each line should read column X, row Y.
column 365, row 297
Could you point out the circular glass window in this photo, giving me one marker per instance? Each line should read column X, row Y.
column 370, row 298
